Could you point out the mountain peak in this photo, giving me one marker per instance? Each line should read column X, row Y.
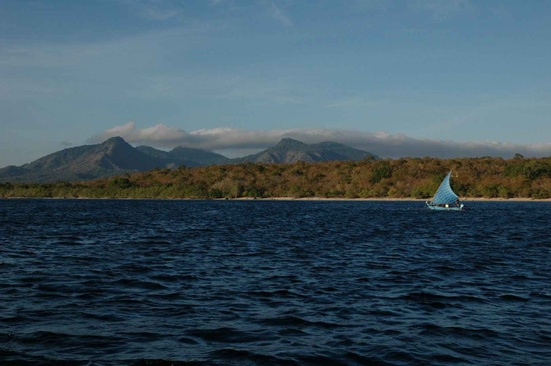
column 289, row 143
column 116, row 140
column 289, row 150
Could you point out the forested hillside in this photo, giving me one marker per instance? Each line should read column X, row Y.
column 401, row 178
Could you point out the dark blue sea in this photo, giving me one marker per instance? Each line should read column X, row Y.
column 155, row 282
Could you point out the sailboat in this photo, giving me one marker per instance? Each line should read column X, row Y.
column 445, row 198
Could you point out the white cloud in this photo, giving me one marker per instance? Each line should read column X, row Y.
column 279, row 15
column 380, row 143
column 159, row 134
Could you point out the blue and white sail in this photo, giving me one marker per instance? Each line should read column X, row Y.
column 445, row 198
column 445, row 194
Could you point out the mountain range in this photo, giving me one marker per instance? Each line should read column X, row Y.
column 116, row 157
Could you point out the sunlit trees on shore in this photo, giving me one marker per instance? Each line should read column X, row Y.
column 398, row 178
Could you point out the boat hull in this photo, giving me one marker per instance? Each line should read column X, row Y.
column 445, row 207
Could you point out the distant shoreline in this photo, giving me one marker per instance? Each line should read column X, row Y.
column 474, row 199
column 388, row 199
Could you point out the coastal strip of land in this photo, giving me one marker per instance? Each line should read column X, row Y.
column 473, row 179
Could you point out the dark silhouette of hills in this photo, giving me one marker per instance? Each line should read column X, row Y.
column 289, row 151
column 112, row 157
column 185, row 156
column 116, row 157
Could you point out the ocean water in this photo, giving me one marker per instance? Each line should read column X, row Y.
column 153, row 282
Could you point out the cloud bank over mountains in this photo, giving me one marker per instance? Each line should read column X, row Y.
column 382, row 144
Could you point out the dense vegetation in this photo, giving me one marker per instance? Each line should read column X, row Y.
column 401, row 178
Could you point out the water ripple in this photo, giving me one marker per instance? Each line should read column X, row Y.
column 266, row 282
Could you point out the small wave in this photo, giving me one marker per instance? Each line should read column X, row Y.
column 134, row 283
column 291, row 332
column 436, row 300
column 15, row 358
column 166, row 278
column 223, row 335
column 541, row 295
column 9, row 291
column 513, row 298
column 142, row 336
column 102, row 317
column 276, row 294
column 239, row 356
column 456, row 331
column 160, row 362
column 187, row 340
column 88, row 296
column 294, row 321
column 80, row 341
column 335, row 358
column 13, row 319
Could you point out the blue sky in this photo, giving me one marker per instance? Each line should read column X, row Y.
column 396, row 78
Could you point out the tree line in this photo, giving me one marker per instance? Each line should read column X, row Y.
column 388, row 178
